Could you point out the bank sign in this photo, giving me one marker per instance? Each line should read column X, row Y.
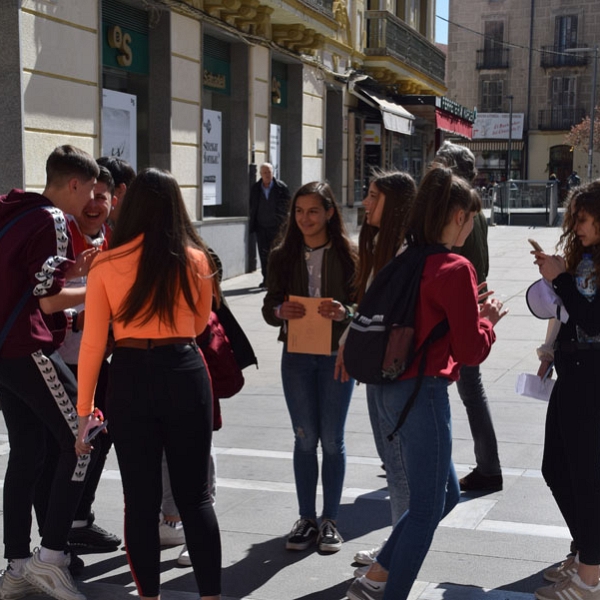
column 495, row 126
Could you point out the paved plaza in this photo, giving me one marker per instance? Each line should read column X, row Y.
column 491, row 547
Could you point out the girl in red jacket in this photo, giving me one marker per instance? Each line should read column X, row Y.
column 443, row 214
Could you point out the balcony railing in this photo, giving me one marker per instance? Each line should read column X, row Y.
column 560, row 119
column 322, row 6
column 387, row 35
column 492, row 59
column 555, row 56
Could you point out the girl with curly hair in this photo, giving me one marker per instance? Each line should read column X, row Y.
column 571, row 461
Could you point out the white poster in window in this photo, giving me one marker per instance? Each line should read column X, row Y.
column 211, row 157
column 495, row 126
column 372, row 136
column 119, row 126
column 275, row 148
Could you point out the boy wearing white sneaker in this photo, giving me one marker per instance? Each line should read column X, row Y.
column 37, row 388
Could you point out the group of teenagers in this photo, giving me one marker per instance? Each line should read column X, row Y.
column 314, row 257
column 149, row 295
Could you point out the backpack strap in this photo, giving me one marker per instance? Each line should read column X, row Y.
column 438, row 332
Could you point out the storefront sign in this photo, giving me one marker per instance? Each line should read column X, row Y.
column 495, row 126
column 211, row 157
column 124, row 49
column 214, row 80
column 457, row 109
column 372, row 134
column 119, row 126
column 275, row 148
column 216, row 76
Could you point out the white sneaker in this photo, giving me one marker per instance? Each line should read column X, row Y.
column 14, row 587
column 367, row 557
column 184, row 558
column 53, row 580
column 360, row 571
column 171, row 536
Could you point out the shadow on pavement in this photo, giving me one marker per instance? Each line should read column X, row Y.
column 243, row 292
column 363, row 516
column 336, row 592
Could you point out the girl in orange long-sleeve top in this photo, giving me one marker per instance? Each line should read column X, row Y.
column 155, row 285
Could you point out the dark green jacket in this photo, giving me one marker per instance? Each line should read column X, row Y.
column 476, row 248
column 335, row 284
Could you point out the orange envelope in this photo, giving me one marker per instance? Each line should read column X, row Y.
column 312, row 333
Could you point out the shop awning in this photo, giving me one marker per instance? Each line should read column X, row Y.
column 453, row 124
column 395, row 117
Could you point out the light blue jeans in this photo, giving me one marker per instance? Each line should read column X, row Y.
column 425, row 444
column 318, row 405
column 389, row 452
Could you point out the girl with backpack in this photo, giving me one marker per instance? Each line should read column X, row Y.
column 314, row 258
column 571, row 460
column 387, row 205
column 442, row 215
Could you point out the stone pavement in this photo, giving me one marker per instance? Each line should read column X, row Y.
column 490, row 547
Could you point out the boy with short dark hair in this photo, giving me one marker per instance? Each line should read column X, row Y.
column 37, row 389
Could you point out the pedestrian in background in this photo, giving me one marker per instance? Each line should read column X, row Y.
column 487, row 474
column 155, row 285
column 316, row 259
column 269, row 203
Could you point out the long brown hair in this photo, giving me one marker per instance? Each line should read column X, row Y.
column 399, row 190
column 288, row 250
column 584, row 198
column 439, row 195
column 153, row 206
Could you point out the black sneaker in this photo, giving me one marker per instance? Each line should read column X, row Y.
column 329, row 539
column 76, row 565
column 476, row 482
column 303, row 534
column 92, row 539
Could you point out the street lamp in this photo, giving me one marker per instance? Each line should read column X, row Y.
column 593, row 107
column 509, row 149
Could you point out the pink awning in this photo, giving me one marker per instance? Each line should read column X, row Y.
column 453, row 124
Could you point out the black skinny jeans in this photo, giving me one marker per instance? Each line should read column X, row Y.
column 161, row 399
column 38, row 395
column 102, row 445
column 571, row 463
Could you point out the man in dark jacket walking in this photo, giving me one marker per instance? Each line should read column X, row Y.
column 487, row 474
column 269, row 201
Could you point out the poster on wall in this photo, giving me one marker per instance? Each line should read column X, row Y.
column 495, row 126
column 211, row 157
column 275, row 148
column 372, row 136
column 119, row 126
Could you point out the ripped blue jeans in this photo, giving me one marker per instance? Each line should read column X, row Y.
column 318, row 405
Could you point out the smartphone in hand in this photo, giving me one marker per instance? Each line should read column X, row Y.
column 92, row 433
column 535, row 245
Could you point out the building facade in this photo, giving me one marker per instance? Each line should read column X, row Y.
column 528, row 67
column 210, row 89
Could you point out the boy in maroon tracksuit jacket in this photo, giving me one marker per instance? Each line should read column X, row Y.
column 38, row 391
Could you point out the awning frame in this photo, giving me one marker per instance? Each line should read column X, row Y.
column 395, row 117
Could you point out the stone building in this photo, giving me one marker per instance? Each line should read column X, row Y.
column 531, row 63
column 210, row 89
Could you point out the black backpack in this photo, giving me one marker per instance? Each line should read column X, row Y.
column 380, row 345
